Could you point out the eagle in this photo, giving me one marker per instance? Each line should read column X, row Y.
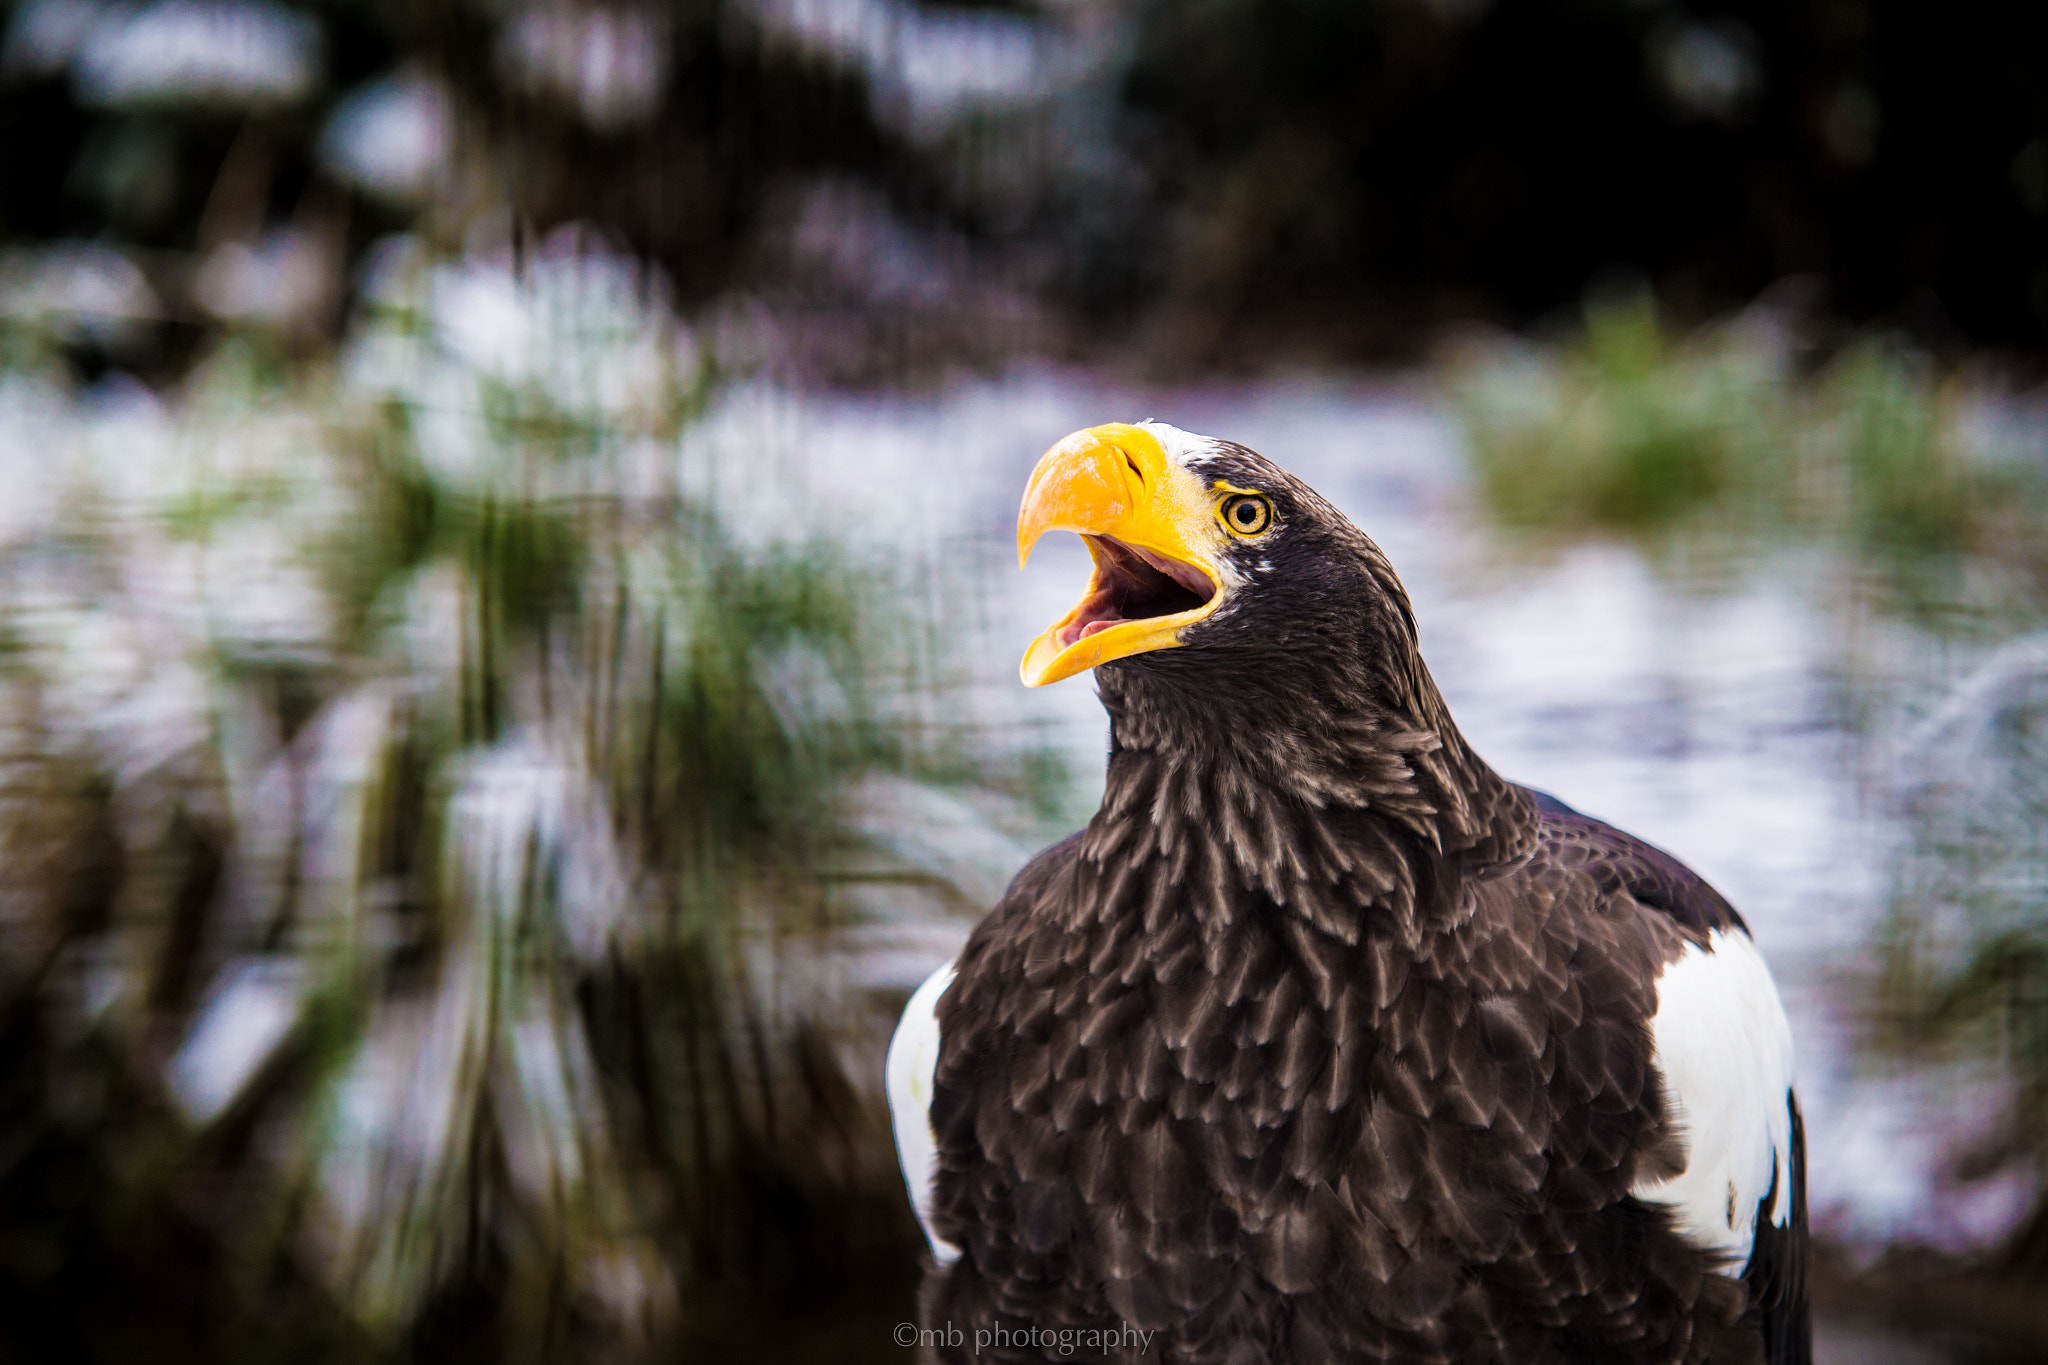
column 1323, row 1042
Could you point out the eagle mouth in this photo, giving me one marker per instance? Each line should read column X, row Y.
column 1132, row 584
column 1151, row 529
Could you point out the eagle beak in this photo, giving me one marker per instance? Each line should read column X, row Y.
column 1149, row 527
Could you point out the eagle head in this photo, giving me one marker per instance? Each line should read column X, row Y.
column 1212, row 565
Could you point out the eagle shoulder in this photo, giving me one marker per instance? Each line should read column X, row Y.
column 1620, row 862
column 1722, row 1046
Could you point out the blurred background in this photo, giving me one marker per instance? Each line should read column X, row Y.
column 507, row 645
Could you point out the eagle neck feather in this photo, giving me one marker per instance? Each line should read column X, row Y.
column 1346, row 798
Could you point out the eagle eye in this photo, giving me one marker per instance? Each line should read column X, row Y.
column 1246, row 513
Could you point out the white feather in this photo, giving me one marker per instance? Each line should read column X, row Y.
column 1724, row 1049
column 907, row 1075
column 1179, row 446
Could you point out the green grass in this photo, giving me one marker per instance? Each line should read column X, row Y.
column 1731, row 440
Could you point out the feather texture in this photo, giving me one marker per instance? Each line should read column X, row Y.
column 1324, row 1042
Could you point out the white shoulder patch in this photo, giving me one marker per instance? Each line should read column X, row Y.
column 907, row 1075
column 1724, row 1049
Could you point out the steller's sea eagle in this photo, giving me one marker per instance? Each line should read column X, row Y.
column 1322, row 1041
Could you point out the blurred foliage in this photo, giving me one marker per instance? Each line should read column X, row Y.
column 1730, row 439
column 180, row 168
column 425, row 824
column 669, row 123
column 1621, row 427
column 1966, row 940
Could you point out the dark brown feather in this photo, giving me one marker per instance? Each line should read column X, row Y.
column 1322, row 1042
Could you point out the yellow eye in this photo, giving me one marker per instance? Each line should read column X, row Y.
column 1247, row 514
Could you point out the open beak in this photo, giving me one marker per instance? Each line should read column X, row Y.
column 1149, row 528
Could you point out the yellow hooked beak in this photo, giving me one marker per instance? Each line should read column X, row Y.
column 1151, row 530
